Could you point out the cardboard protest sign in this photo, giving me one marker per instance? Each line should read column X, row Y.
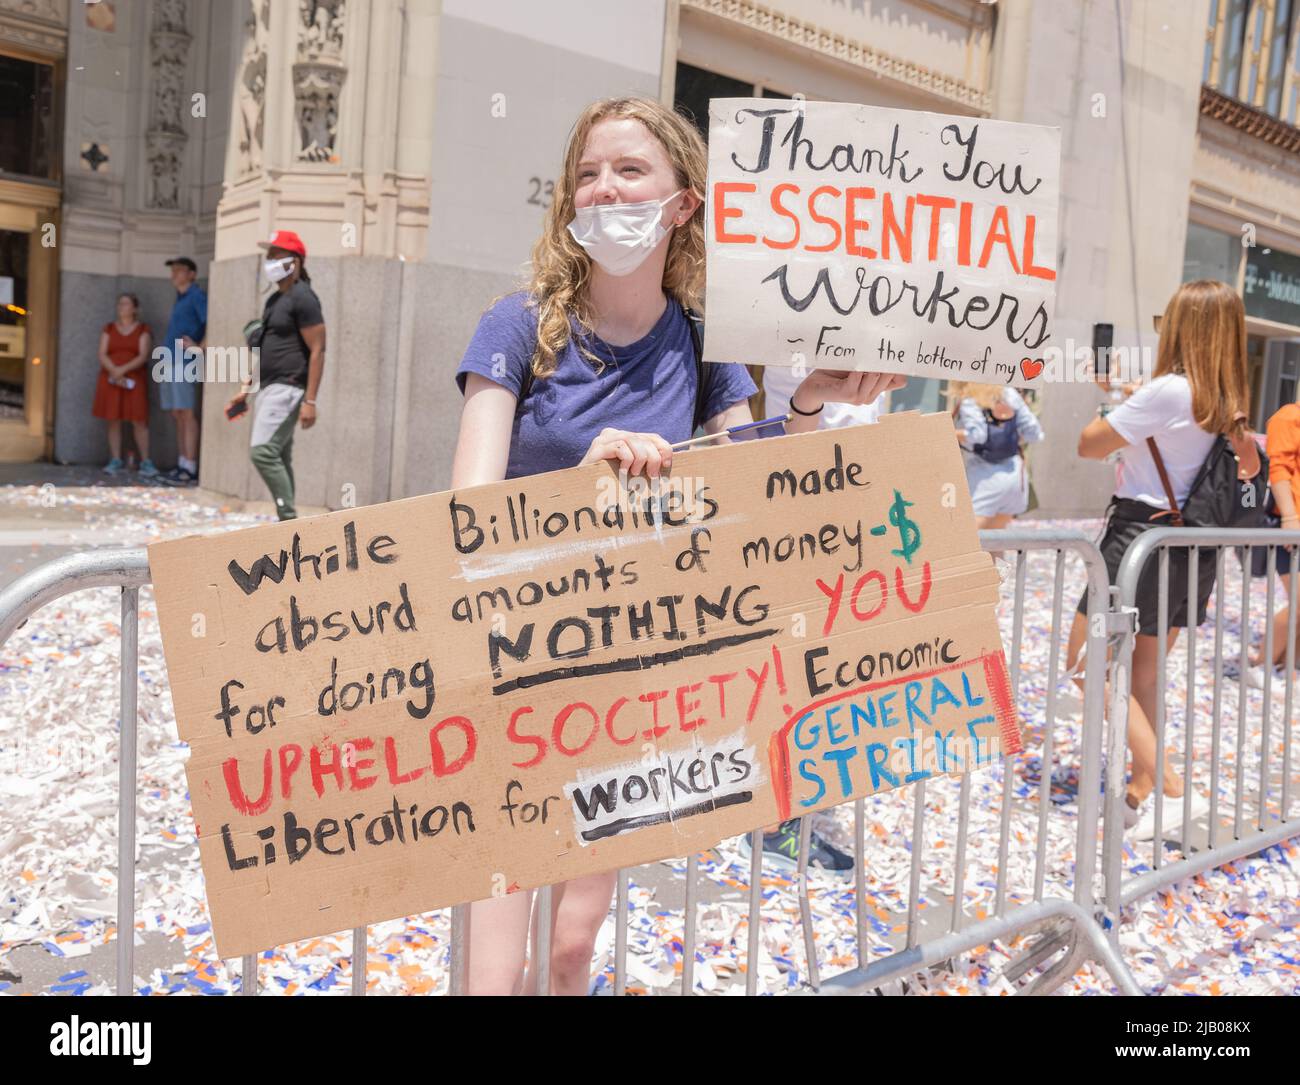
column 852, row 237
column 441, row 699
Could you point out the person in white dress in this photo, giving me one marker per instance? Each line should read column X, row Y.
column 780, row 382
column 993, row 424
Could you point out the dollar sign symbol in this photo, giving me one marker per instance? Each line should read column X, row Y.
column 908, row 533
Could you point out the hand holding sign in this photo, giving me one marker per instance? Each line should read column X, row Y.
column 823, row 386
column 635, row 452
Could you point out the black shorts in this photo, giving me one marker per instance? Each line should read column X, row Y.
column 1126, row 520
column 1259, row 556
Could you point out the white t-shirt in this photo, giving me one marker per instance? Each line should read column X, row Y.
column 780, row 383
column 1163, row 410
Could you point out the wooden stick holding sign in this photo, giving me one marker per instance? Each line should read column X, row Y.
column 396, row 708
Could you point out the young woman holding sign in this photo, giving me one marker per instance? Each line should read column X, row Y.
column 593, row 361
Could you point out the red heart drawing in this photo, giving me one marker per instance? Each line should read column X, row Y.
column 1031, row 367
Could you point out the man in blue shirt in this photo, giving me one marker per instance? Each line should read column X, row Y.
column 178, row 394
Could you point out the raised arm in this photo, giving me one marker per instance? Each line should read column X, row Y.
column 1099, row 439
column 972, row 426
column 735, row 415
column 823, row 386
column 1027, row 424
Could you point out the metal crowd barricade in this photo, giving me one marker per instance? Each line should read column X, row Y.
column 1062, row 918
column 1199, row 850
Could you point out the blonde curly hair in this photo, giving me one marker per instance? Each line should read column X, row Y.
column 984, row 395
column 561, row 269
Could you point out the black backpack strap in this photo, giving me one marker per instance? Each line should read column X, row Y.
column 1174, row 513
column 704, row 371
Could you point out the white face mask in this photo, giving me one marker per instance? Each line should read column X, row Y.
column 619, row 236
column 276, row 270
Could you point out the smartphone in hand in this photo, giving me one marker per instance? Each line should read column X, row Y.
column 234, row 410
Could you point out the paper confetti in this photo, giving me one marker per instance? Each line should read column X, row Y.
column 1229, row 931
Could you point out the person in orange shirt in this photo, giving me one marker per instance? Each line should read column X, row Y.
column 1283, row 447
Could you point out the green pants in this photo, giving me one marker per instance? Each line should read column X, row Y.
column 273, row 460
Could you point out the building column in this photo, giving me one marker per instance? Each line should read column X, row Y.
column 332, row 128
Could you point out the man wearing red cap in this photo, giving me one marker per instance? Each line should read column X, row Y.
column 291, row 345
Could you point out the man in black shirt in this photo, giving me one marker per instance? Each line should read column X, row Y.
column 291, row 361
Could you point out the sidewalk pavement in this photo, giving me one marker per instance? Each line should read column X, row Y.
column 1231, row 931
column 83, row 508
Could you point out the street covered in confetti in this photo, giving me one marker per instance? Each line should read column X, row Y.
column 1234, row 930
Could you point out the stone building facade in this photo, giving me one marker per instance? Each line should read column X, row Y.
column 412, row 143
column 132, row 161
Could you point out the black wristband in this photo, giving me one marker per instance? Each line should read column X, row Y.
column 806, row 414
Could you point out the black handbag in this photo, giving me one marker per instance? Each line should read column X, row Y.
column 1227, row 493
column 1230, row 490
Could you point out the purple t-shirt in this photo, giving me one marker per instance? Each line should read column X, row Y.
column 645, row 387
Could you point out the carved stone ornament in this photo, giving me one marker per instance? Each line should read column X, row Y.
column 250, row 87
column 318, row 78
column 53, row 11
column 316, row 89
column 165, row 140
column 320, row 31
column 755, row 16
column 37, row 24
column 171, row 16
column 165, row 154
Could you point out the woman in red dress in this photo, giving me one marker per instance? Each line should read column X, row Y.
column 122, row 394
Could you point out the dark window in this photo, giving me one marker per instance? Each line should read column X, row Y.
column 1276, row 77
column 1286, row 389
column 695, row 87
column 1271, row 285
column 26, row 118
column 1211, row 254
column 1233, row 45
column 1208, row 60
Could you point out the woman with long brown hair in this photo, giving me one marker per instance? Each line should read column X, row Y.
column 594, row 360
column 1199, row 390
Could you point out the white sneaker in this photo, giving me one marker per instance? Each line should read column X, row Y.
column 1171, row 816
column 1133, row 814
column 1255, row 678
column 1077, row 673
